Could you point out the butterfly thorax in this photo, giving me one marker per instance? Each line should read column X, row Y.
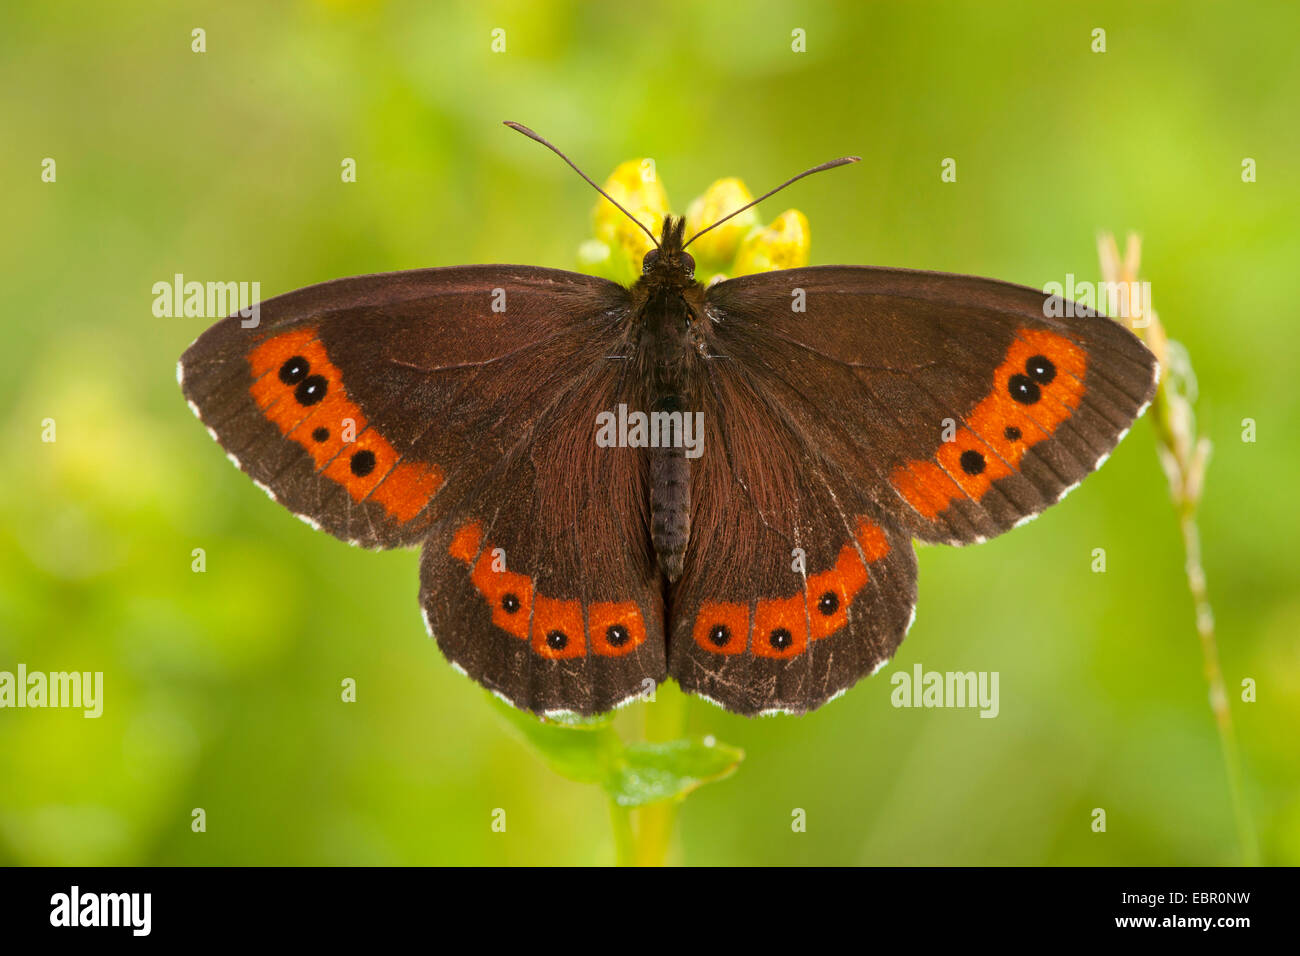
column 667, row 327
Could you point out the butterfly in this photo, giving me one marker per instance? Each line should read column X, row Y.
column 775, row 443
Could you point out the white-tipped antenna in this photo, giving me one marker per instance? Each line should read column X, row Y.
column 520, row 127
column 842, row 161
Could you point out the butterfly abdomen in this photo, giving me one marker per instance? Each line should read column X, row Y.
column 670, row 497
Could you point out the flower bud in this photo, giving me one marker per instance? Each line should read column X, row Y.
column 716, row 249
column 635, row 186
column 782, row 245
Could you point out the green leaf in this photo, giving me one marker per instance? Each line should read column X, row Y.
column 589, row 750
column 651, row 772
column 582, row 749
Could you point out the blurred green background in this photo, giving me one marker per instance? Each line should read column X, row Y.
column 222, row 688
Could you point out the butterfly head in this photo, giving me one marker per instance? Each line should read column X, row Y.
column 669, row 264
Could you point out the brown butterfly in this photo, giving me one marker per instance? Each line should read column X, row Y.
column 748, row 529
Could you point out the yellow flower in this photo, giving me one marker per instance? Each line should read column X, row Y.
column 782, row 245
column 740, row 246
column 619, row 246
column 717, row 249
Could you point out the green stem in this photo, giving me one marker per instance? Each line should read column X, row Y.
column 624, row 838
column 665, row 719
column 1214, row 677
column 1184, row 459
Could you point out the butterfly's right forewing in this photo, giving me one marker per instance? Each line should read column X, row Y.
column 962, row 406
column 852, row 409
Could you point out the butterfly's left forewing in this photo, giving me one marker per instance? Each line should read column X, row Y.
column 366, row 405
column 457, row 407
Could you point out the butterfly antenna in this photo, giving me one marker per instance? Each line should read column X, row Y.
column 842, row 161
column 520, row 127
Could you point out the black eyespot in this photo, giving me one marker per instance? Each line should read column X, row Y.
column 1024, row 390
column 1040, row 369
column 1012, row 433
column 294, row 371
column 720, row 635
column 557, row 640
column 363, row 462
column 650, row 259
column 321, row 434
column 829, row 603
column 617, row 635
column 311, row 390
column 509, row 603
column 780, row 638
column 972, row 462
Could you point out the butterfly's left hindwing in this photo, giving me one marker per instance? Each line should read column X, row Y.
column 545, row 589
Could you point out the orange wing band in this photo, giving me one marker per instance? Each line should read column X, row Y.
column 1038, row 385
column 554, row 628
column 783, row 627
column 299, row 389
